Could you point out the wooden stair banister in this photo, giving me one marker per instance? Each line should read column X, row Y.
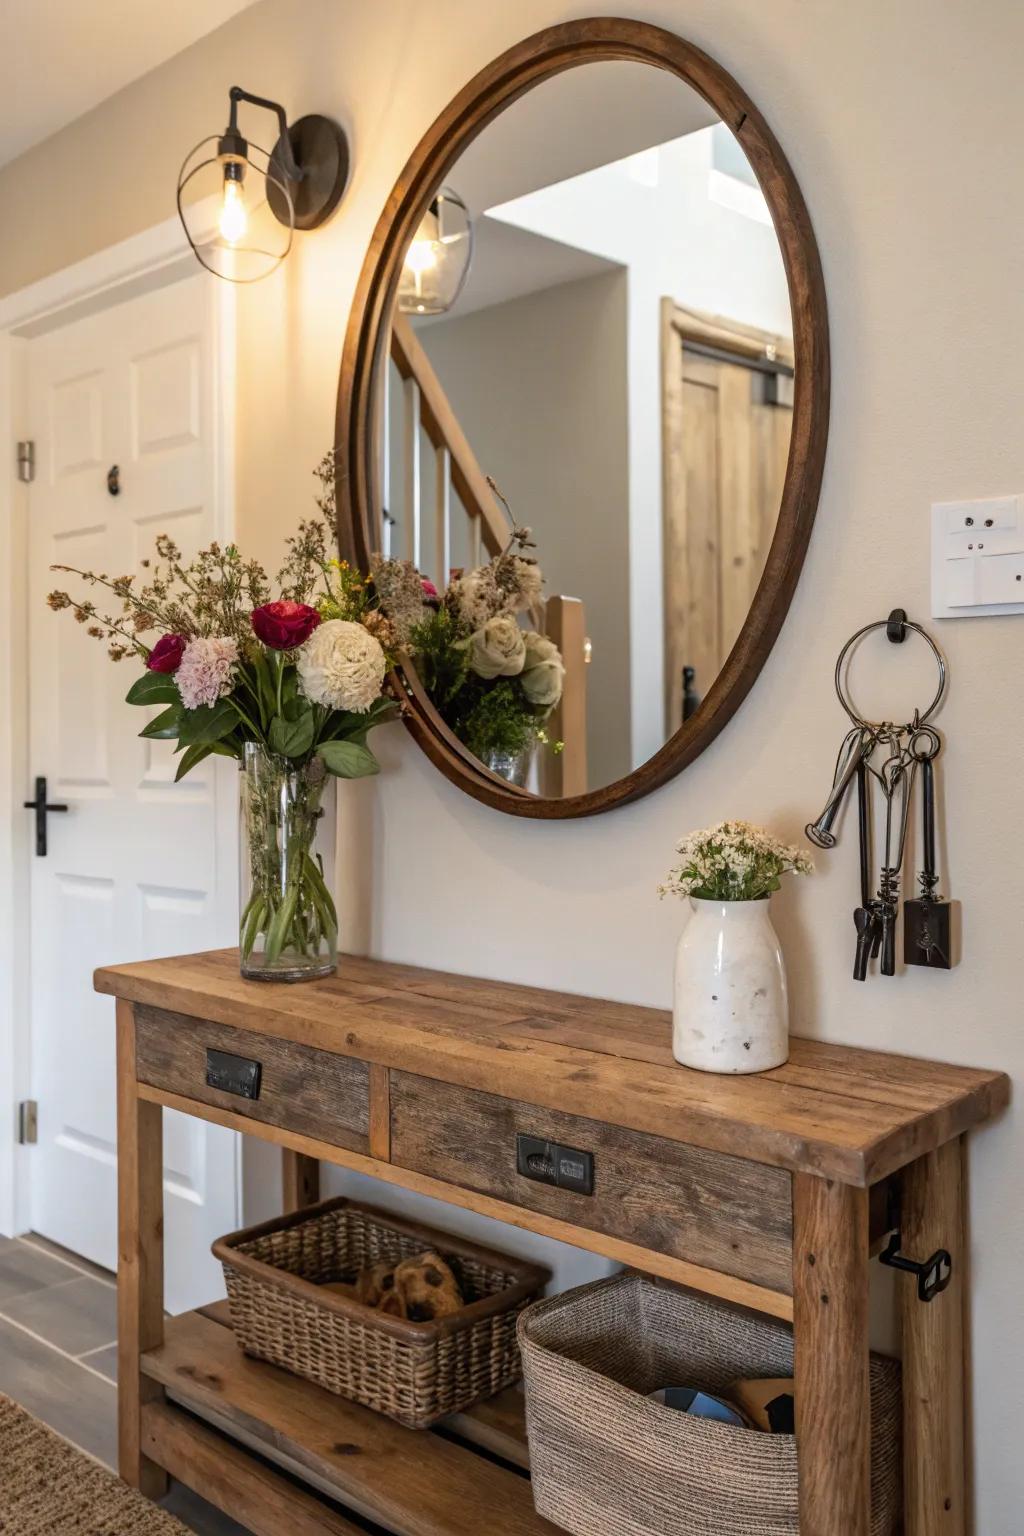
column 427, row 410
column 446, row 436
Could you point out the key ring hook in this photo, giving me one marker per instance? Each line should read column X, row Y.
column 933, row 743
column 920, row 719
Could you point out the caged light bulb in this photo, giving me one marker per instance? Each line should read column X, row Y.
column 233, row 218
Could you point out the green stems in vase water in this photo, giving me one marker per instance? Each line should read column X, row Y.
column 288, row 929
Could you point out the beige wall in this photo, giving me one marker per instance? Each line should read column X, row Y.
column 540, row 386
column 904, row 124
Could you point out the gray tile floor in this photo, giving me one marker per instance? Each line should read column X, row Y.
column 59, row 1360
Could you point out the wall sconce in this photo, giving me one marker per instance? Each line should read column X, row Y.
column 239, row 205
column 437, row 262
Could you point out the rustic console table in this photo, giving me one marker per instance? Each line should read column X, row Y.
column 769, row 1191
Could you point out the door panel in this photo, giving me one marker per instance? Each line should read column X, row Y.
column 138, row 866
column 725, row 448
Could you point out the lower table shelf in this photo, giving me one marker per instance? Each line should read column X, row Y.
column 411, row 1483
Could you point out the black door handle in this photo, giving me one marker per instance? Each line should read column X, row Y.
column 40, row 806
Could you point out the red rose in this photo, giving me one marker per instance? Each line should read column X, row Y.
column 283, row 626
column 429, row 590
column 167, row 653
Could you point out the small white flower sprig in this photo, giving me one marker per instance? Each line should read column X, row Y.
column 733, row 861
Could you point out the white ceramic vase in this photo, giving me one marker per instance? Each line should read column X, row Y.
column 731, row 1012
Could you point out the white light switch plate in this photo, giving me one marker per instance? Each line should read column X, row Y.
column 977, row 557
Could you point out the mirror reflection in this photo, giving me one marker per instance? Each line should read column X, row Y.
column 586, row 425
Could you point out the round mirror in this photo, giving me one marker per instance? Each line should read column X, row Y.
column 582, row 416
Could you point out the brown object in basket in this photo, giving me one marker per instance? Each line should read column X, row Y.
column 341, row 1288
column 416, row 1373
column 422, row 1288
column 428, row 1288
column 373, row 1284
column 606, row 1461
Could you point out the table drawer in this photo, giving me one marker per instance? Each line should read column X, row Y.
column 708, row 1208
column 277, row 1081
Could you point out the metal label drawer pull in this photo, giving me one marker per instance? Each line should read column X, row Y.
column 546, row 1162
column 233, row 1074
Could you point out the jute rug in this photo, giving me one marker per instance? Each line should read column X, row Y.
column 47, row 1488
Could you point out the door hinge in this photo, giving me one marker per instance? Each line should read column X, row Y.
column 27, row 461
column 28, row 1123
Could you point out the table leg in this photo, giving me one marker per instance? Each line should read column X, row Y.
column 300, row 1180
column 931, row 1217
column 140, row 1258
column 830, row 1319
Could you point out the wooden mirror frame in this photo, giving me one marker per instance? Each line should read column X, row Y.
column 539, row 58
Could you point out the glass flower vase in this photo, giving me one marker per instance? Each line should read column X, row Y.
column 288, row 928
column 514, row 767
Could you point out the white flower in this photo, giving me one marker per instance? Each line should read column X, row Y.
column 341, row 666
column 543, row 671
column 539, row 648
column 498, row 649
column 206, row 671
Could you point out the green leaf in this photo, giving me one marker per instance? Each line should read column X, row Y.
column 207, row 724
column 189, row 760
column 153, row 688
column 166, row 725
column 353, row 727
column 348, row 759
column 227, row 748
column 292, row 738
column 264, row 686
column 290, row 686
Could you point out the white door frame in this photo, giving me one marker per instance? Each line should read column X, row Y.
column 153, row 259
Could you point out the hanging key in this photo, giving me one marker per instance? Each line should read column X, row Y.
column 888, row 961
column 897, row 776
column 869, row 938
column 927, row 920
column 867, row 918
column 856, row 746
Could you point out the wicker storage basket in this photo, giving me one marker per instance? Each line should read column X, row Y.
column 414, row 1372
column 606, row 1461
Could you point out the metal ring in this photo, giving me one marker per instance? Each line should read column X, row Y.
column 847, row 703
column 931, row 737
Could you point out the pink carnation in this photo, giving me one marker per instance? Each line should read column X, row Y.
column 205, row 673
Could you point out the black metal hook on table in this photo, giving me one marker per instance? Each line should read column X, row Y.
column 933, row 1276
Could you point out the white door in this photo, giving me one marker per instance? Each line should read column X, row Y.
column 137, row 867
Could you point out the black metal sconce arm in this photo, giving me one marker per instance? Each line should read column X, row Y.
column 283, row 152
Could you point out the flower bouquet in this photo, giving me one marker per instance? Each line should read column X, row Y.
column 493, row 682
column 733, row 861
column 290, row 686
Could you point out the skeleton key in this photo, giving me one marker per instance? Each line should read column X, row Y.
column 927, row 927
column 869, row 937
column 867, row 918
column 888, row 922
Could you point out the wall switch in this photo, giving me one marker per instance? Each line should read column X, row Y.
column 978, row 557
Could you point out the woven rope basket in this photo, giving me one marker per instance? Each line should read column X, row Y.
column 606, row 1461
column 416, row 1373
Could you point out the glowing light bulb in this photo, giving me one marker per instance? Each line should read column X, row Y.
column 233, row 218
column 422, row 256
